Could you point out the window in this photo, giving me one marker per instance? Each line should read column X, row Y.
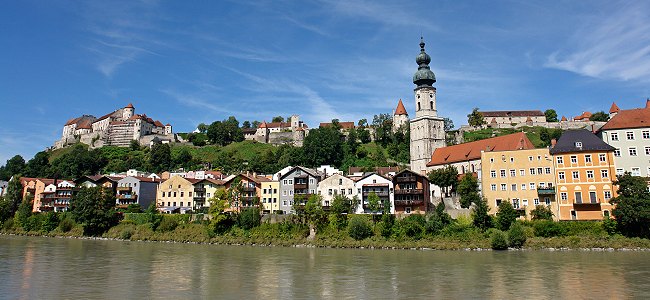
column 632, row 151
column 602, row 157
column 491, row 160
column 536, row 201
column 532, row 186
column 629, row 135
column 512, row 159
column 547, row 170
column 349, row 191
column 614, row 136
column 542, row 185
column 547, row 200
column 646, row 134
column 408, row 210
column 498, row 202
column 574, row 215
column 530, row 158
column 513, row 173
column 523, row 186
column 503, row 173
column 285, row 181
column 493, row 174
column 524, row 202
column 263, row 191
column 604, row 174
column 647, row 150
column 619, row 171
column 515, row 203
column 578, row 144
column 329, row 191
column 636, row 171
column 592, row 197
column 514, row 186
column 522, row 172
column 540, row 171
column 578, row 196
column 174, row 197
column 590, row 174
column 311, row 181
column 290, row 181
column 493, row 187
column 284, row 193
column 560, row 160
column 575, row 175
column 163, row 194
column 608, row 195
column 588, row 158
column 190, row 194
column 532, row 171
column 504, row 187
column 560, row 175
column 564, row 196
column 574, row 159
column 340, row 181
column 174, row 203
column 617, row 152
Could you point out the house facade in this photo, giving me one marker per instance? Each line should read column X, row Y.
column 525, row 177
column 297, row 184
column 270, row 196
column 411, row 193
column 56, row 196
column 335, row 185
column 176, row 194
column 204, row 189
column 585, row 171
column 248, row 189
column 136, row 190
column 379, row 185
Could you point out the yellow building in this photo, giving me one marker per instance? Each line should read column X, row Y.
column 204, row 189
column 585, row 171
column 176, row 194
column 270, row 196
column 524, row 177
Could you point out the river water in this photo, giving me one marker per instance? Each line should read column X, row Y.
column 58, row 268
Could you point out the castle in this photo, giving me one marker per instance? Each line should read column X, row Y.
column 292, row 132
column 117, row 128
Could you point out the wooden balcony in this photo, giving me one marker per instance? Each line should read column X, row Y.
column 199, row 190
column 407, row 179
column 408, row 202
column 409, row 192
column 249, row 189
column 300, row 186
column 587, row 202
column 380, row 194
column 124, row 188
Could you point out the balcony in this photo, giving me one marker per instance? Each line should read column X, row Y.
column 199, row 199
column 587, row 202
column 409, row 192
column 408, row 202
column 124, row 188
column 299, row 186
column 407, row 179
column 545, row 190
column 199, row 190
column 249, row 189
column 127, row 197
column 380, row 194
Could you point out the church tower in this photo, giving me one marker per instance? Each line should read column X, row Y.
column 427, row 129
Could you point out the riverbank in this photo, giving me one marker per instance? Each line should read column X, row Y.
column 198, row 234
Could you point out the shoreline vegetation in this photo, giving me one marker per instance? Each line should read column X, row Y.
column 580, row 235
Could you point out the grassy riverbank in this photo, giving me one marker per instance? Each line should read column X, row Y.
column 571, row 235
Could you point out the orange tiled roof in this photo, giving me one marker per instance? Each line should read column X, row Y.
column 614, row 108
column 472, row 150
column 512, row 113
column 563, row 119
column 584, row 115
column 344, row 125
column 629, row 118
column 129, row 106
column 400, row 110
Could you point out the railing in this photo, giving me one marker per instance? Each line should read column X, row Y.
column 592, row 201
column 124, row 188
column 199, row 199
column 545, row 190
column 407, row 179
column 300, row 186
column 409, row 191
column 130, row 197
column 199, row 190
column 409, row 202
column 249, row 189
column 380, row 194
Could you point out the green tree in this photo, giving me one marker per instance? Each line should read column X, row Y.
column 218, row 204
column 278, row 119
column 599, row 116
column 374, row 203
column 516, row 235
column 506, row 215
column 358, row 228
column 383, row 124
column 202, row 128
column 364, row 136
column 438, row 219
column 24, row 212
column 79, row 162
column 314, row 213
column 13, row 166
column 246, row 124
column 541, row 212
column 134, row 145
column 39, row 165
column 217, row 133
column 632, row 210
column 363, row 123
column 255, row 124
column 160, row 157
column 323, row 146
column 475, row 118
column 184, row 159
column 468, row 191
column 444, row 178
column 249, row 218
column 352, row 141
column 551, row 115
column 234, row 132
column 448, row 123
column 94, row 208
column 5, row 210
column 14, row 195
column 480, row 217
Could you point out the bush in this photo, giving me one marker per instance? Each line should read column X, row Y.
column 359, row 228
column 8, row 224
column 610, row 226
column 411, row 226
column 546, row 228
column 32, row 223
column 516, row 235
column 249, row 218
column 168, row 223
column 499, row 240
column 66, row 225
column 50, row 221
column 541, row 212
column 387, row 223
column 506, row 215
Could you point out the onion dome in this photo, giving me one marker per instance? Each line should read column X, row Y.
column 423, row 76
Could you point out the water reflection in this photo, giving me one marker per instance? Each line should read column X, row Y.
column 37, row 268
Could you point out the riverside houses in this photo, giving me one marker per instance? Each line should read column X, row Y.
column 411, row 193
column 629, row 132
column 176, row 194
column 297, row 184
column 380, row 186
column 56, row 196
column 204, row 189
column 249, row 190
column 107, row 182
column 34, row 187
column 270, row 196
column 334, row 185
column 136, row 190
column 584, row 166
column 526, row 178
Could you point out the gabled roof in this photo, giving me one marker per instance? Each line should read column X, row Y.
column 129, row 106
column 614, row 108
column 629, row 118
column 589, row 142
column 251, row 177
column 472, row 150
column 215, row 181
column 379, row 170
column 584, row 115
column 309, row 171
column 411, row 172
column 371, row 174
column 344, row 125
column 512, row 113
column 564, row 119
column 400, row 110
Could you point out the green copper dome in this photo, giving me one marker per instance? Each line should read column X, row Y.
column 423, row 76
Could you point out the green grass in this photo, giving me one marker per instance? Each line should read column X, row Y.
column 533, row 134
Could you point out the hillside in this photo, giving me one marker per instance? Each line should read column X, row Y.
column 536, row 134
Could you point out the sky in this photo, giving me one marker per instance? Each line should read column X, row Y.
column 186, row 63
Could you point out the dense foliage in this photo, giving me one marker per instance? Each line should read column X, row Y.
column 94, row 208
column 632, row 210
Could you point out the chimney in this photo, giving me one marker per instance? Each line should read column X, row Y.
column 553, row 142
column 647, row 103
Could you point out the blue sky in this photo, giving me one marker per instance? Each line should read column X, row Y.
column 203, row 61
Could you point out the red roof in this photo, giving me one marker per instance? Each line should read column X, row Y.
column 583, row 116
column 158, row 124
column 472, row 150
column 129, row 106
column 563, row 119
column 630, row 118
column 512, row 113
column 400, row 110
column 614, row 108
column 344, row 125
column 278, row 124
column 262, row 125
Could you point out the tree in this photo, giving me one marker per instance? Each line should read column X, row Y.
column 314, row 213
column 480, row 217
column 278, row 119
column 551, row 115
column 160, row 157
column 374, row 203
column 323, row 146
column 449, row 124
column 632, row 210
column 14, row 195
column 234, row 133
column 444, row 178
column 249, row 218
column 39, row 165
column 202, row 128
column 506, row 215
column 364, row 136
column 468, row 191
column 24, row 212
column 475, row 118
column 383, row 124
column 134, row 145
column 246, row 124
column 600, row 116
column 541, row 212
column 363, row 123
column 184, row 159
column 217, row 134
column 358, row 228
column 79, row 162
column 438, row 219
column 14, row 166
column 94, row 208
column 218, row 204
column 352, row 141
column 5, row 210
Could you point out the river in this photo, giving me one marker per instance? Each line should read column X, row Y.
column 58, row 268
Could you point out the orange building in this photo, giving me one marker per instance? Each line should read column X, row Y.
column 584, row 170
column 250, row 190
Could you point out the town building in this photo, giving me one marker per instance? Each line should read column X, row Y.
column 106, row 182
column 248, row 187
column 34, row 188
column 117, row 128
column 497, row 118
column 271, row 197
column 335, row 185
column 176, row 195
column 584, row 166
column 629, row 132
column 524, row 177
column 297, row 184
column 427, row 128
column 400, row 117
column 204, row 190
column 136, row 190
column 292, row 132
column 375, row 184
column 411, row 193
column 56, row 196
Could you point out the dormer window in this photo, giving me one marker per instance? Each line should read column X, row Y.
column 578, row 144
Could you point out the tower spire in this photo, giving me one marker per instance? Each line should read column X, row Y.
column 423, row 76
